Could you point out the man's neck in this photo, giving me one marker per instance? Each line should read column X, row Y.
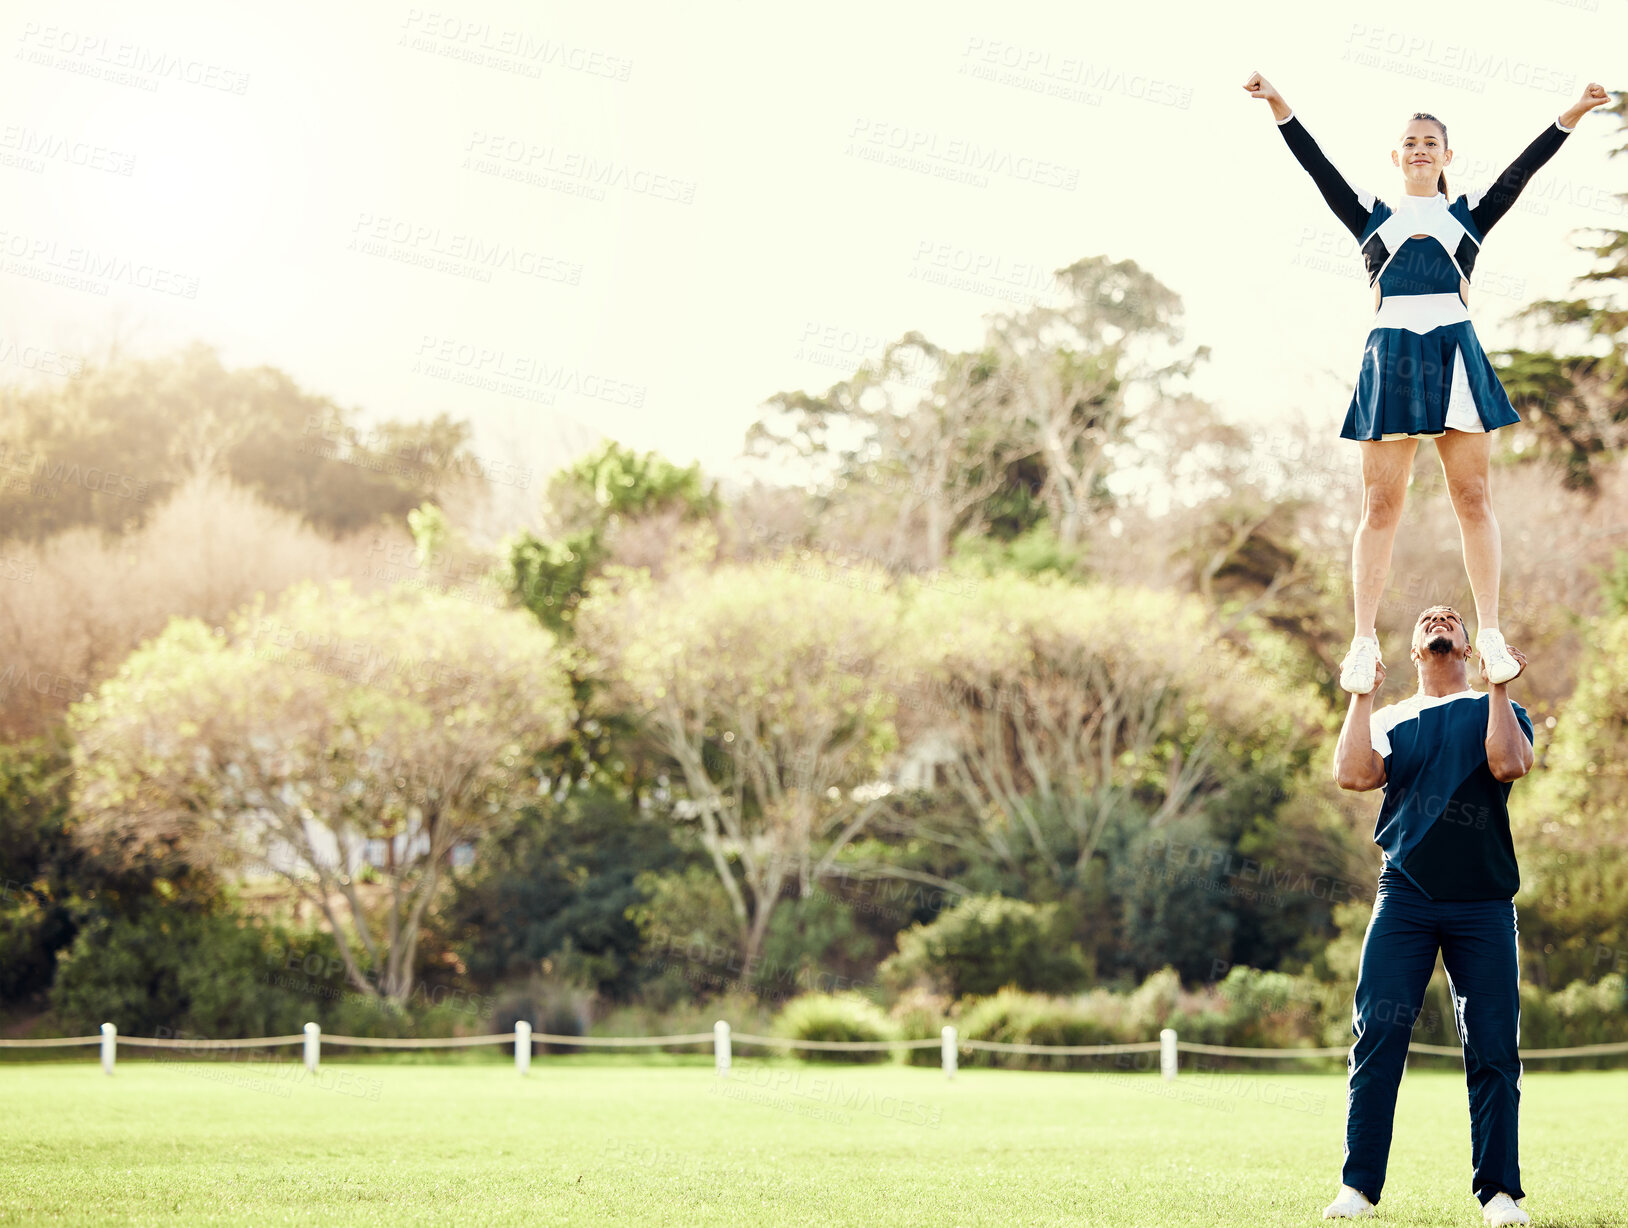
column 1444, row 677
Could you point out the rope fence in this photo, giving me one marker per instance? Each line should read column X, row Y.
column 949, row 1044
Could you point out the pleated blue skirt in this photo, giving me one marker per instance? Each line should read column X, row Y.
column 1406, row 383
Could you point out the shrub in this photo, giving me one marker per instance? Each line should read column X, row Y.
column 167, row 971
column 1153, row 1003
column 1274, row 1010
column 987, row 943
column 549, row 1006
column 1014, row 1017
column 690, row 941
column 744, row 1012
column 1580, row 1014
column 842, row 1017
column 559, row 886
column 813, row 944
column 919, row 1015
column 163, row 968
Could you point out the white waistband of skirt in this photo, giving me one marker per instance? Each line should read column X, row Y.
column 1420, row 313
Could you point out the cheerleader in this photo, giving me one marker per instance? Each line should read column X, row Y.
column 1423, row 370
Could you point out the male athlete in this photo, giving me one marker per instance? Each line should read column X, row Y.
column 1445, row 757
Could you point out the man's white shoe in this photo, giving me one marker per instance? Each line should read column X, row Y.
column 1500, row 662
column 1354, row 1204
column 1502, row 1209
column 1359, row 672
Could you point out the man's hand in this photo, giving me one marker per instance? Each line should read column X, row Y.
column 1509, row 753
column 1514, row 652
column 1379, row 678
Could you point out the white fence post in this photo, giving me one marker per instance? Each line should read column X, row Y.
column 110, row 1047
column 313, row 1047
column 522, row 1046
column 1167, row 1053
column 949, row 1050
column 720, row 1046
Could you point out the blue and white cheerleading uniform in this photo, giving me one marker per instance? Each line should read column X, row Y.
column 1445, row 821
column 1448, row 886
column 1423, row 370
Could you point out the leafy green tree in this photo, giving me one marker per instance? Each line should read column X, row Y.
column 560, row 885
column 1575, row 405
column 36, row 862
column 759, row 684
column 1570, row 823
column 201, row 972
column 103, row 449
column 344, row 743
column 986, row 944
column 1582, row 793
column 53, row 885
column 1061, row 706
column 588, row 502
column 1033, row 420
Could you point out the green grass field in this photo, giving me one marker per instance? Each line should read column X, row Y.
column 647, row 1141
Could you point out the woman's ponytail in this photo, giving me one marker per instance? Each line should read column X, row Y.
column 1441, row 179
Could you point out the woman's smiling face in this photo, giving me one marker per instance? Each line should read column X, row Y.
column 1422, row 152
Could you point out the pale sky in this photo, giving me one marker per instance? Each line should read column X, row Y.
column 653, row 217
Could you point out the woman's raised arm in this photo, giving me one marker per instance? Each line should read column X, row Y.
column 1352, row 207
column 1487, row 206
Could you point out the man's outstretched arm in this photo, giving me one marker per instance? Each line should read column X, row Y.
column 1509, row 753
column 1357, row 764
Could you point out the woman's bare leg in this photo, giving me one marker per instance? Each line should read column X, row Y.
column 1386, row 465
column 1465, row 462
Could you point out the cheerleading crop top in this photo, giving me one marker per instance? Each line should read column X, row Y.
column 1398, row 263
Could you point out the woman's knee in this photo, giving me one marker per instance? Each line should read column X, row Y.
column 1472, row 498
column 1382, row 505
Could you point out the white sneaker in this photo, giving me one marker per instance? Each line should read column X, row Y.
column 1354, row 1204
column 1502, row 1209
column 1501, row 664
column 1359, row 672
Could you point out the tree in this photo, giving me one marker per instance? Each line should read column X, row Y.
column 1041, row 412
column 588, row 502
column 1070, row 375
column 345, row 743
column 759, row 683
column 86, row 600
column 985, row 944
column 1575, row 406
column 921, row 436
column 560, row 885
column 595, row 508
column 1571, row 822
column 103, row 449
column 1063, row 707
column 1583, row 793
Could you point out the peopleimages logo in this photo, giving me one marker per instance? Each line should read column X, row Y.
column 576, row 172
column 1221, row 865
column 881, row 140
column 509, row 50
column 33, row 148
column 490, row 366
column 121, row 61
column 1417, row 55
column 84, row 268
column 1070, row 77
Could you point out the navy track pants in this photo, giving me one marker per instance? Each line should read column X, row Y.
column 1478, row 944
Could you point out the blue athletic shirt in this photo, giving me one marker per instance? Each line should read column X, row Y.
column 1445, row 822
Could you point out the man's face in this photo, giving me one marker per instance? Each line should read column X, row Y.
column 1442, row 632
